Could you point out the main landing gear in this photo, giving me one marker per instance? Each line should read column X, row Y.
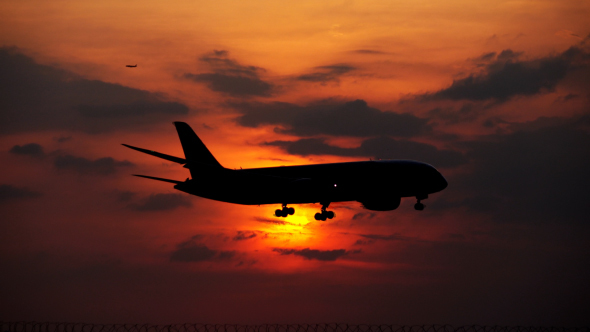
column 324, row 214
column 419, row 206
column 285, row 211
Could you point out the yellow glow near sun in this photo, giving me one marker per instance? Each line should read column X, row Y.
column 292, row 231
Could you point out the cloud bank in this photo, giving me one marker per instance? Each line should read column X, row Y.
column 35, row 97
column 193, row 251
column 9, row 192
column 230, row 77
column 309, row 254
column 330, row 117
column 506, row 76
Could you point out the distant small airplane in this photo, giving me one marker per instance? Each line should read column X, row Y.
column 131, row 66
column 377, row 185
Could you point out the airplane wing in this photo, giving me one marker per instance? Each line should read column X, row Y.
column 158, row 179
column 158, row 154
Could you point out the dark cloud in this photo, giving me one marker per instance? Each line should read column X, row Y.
column 232, row 78
column 312, row 146
column 494, row 122
column 506, row 76
column 364, row 215
column 244, row 235
column 320, row 255
column 198, row 237
column 9, row 192
column 236, row 86
column 136, row 109
column 192, row 251
column 455, row 237
column 125, row 196
column 392, row 237
column 325, row 74
column 225, row 255
column 467, row 112
column 220, row 62
column 487, row 56
column 508, row 54
column 80, row 165
column 377, row 148
column 538, row 173
column 63, row 139
column 162, row 202
column 569, row 96
column 490, row 57
column 330, row 117
column 39, row 97
column 273, row 221
column 31, row 149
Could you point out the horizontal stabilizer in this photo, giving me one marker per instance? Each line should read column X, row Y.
column 158, row 179
column 158, row 154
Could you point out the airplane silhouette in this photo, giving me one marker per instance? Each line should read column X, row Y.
column 377, row 185
column 131, row 66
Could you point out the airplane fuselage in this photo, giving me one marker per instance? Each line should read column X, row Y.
column 364, row 181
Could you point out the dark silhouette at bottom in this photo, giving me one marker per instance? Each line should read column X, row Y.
column 334, row 327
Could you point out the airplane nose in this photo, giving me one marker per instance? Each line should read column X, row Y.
column 442, row 182
column 431, row 181
column 437, row 181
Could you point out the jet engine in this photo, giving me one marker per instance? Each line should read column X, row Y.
column 381, row 203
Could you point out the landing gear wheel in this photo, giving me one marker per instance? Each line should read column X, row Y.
column 324, row 215
column 285, row 211
column 419, row 206
column 320, row 216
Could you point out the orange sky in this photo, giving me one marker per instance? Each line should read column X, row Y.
column 88, row 231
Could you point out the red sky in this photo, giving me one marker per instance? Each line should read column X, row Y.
column 495, row 94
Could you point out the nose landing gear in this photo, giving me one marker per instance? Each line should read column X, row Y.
column 285, row 211
column 324, row 215
column 419, row 206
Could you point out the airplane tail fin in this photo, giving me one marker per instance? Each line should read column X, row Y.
column 195, row 152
